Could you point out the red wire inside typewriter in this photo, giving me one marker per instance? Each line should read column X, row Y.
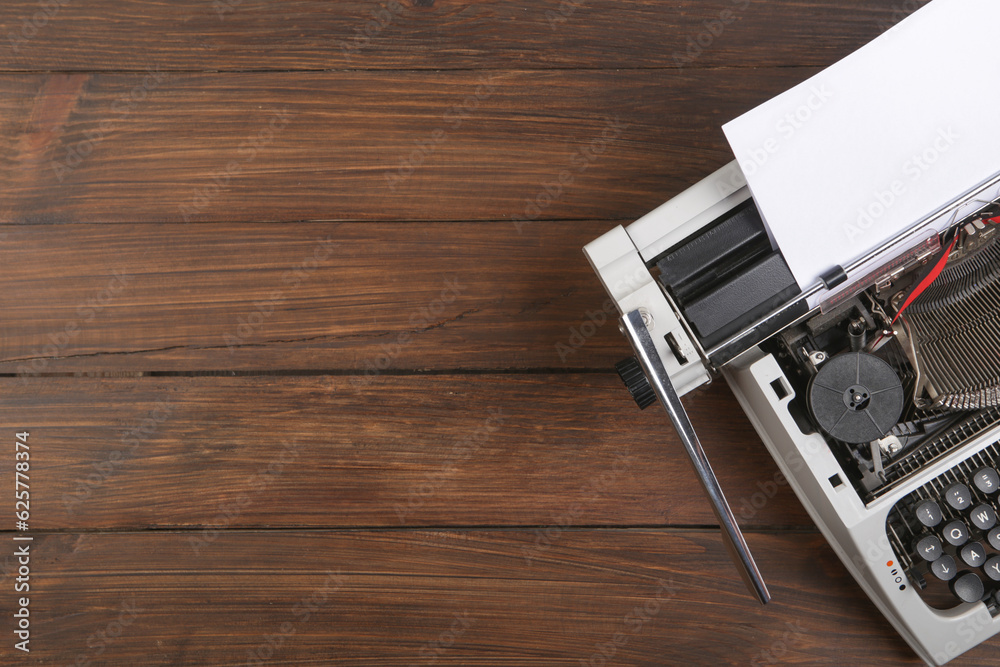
column 933, row 275
column 927, row 281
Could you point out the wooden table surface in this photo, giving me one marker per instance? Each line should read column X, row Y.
column 294, row 309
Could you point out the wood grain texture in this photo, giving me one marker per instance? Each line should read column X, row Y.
column 364, row 297
column 398, row 592
column 364, row 145
column 248, row 214
column 441, row 34
column 268, row 452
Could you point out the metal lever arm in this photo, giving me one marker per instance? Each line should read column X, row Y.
column 642, row 342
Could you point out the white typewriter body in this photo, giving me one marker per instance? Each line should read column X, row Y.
column 853, row 519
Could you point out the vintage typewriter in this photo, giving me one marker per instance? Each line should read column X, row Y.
column 876, row 390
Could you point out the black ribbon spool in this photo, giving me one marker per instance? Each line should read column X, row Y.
column 856, row 398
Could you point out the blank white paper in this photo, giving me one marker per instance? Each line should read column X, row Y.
column 874, row 144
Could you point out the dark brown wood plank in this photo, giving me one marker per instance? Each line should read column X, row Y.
column 357, row 439
column 365, row 297
column 419, row 34
column 129, row 453
column 377, row 598
column 364, row 145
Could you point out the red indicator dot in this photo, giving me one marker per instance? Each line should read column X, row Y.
column 889, row 564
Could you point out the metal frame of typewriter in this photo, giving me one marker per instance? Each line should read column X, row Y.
column 675, row 362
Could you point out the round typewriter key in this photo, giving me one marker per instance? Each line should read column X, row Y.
column 958, row 496
column 983, row 517
column 992, row 568
column 956, row 533
column 929, row 548
column 974, row 554
column 928, row 513
column 987, row 480
column 944, row 568
column 994, row 538
column 968, row 588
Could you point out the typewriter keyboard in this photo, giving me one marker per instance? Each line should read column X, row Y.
column 946, row 534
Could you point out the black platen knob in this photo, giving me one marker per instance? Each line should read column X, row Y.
column 635, row 381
